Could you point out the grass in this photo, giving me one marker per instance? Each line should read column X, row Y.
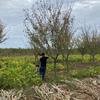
column 86, row 72
column 19, row 72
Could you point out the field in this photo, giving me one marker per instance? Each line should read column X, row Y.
column 19, row 72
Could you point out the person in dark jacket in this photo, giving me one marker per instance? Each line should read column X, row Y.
column 43, row 61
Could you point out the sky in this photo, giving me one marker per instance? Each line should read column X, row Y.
column 12, row 15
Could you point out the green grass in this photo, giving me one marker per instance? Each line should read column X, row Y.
column 19, row 72
column 86, row 72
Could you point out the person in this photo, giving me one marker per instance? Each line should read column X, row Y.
column 37, row 68
column 43, row 61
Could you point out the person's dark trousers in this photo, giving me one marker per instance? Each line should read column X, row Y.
column 42, row 72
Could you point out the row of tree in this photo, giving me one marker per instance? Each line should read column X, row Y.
column 88, row 42
column 50, row 28
column 16, row 52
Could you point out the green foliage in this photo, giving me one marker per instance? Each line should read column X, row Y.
column 14, row 74
column 75, row 58
column 90, row 72
column 19, row 72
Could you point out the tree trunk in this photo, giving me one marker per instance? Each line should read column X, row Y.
column 82, row 58
column 67, row 63
column 90, row 58
column 55, row 71
column 66, row 66
column 93, row 58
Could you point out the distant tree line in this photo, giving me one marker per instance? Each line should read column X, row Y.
column 16, row 52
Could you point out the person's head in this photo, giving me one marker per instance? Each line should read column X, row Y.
column 37, row 65
column 43, row 54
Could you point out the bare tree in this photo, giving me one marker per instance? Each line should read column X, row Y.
column 48, row 28
column 66, row 38
column 81, row 45
column 90, row 37
column 2, row 35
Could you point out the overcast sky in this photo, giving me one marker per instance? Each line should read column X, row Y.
column 11, row 14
